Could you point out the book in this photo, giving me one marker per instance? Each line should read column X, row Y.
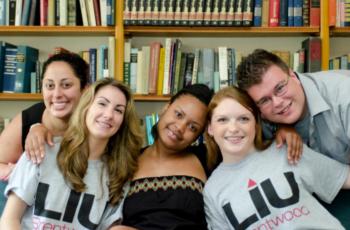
column 3, row 14
column 127, row 56
column 283, row 17
column 155, row 12
column 168, row 53
column 146, row 50
column 238, row 12
column 9, row 77
column 215, row 13
column 207, row 12
column 96, row 5
column 133, row 69
column 12, row 12
column 26, row 58
column 63, row 16
column 312, row 47
column 154, row 65
column 3, row 46
column 185, row 12
column 257, row 13
column 222, row 52
column 189, row 69
column 18, row 16
column 265, row 13
column 26, row 12
column 92, row 65
column 161, row 71
column 34, row 16
column 297, row 13
column 247, row 14
column 315, row 13
column 274, row 11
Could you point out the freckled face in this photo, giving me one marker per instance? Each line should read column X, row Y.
column 61, row 89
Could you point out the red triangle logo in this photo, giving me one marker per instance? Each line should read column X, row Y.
column 251, row 183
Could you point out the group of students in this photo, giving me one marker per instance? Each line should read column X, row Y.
column 91, row 172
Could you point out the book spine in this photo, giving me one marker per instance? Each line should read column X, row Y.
column 274, row 9
column 298, row 14
column 161, row 71
column 133, row 69
column 9, row 70
column 154, row 65
column 315, row 13
column 248, row 7
column 283, row 17
column 257, row 13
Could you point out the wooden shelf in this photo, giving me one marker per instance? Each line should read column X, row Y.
column 38, row 97
column 57, row 30
column 340, row 31
column 220, row 31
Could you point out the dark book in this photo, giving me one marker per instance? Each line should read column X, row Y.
column 12, row 12
column 192, row 13
column 26, row 59
column 238, row 12
column 312, row 47
column 200, row 6
column 9, row 70
column 283, row 17
column 306, row 12
column 3, row 46
column 140, row 4
column 155, row 12
column 57, row 12
column 215, row 13
column 148, row 12
column 170, row 11
column 290, row 13
column 26, row 12
column 34, row 16
column 162, row 12
column 185, row 12
column 97, row 12
column 247, row 13
column 298, row 16
column 111, row 12
column 177, row 13
column 189, row 69
column 207, row 12
column 127, row 12
column 133, row 13
column 92, row 64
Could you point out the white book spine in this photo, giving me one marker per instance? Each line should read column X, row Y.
column 63, row 13
column 84, row 12
column 223, row 66
column 166, row 86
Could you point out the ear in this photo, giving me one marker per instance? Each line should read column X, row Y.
column 292, row 74
column 210, row 129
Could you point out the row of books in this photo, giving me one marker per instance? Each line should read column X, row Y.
column 57, row 12
column 340, row 62
column 339, row 13
column 20, row 67
column 162, row 70
column 147, row 123
column 222, row 12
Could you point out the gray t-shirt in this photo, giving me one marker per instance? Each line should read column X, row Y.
column 263, row 191
column 52, row 204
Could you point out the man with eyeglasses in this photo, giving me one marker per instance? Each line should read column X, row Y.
column 317, row 105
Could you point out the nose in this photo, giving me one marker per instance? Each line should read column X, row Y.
column 276, row 101
column 181, row 126
column 108, row 112
column 57, row 92
column 232, row 126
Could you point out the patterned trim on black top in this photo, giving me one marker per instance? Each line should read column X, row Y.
column 165, row 183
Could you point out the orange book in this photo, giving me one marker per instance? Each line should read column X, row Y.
column 315, row 13
column 154, row 65
column 332, row 12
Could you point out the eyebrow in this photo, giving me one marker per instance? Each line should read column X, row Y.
column 118, row 105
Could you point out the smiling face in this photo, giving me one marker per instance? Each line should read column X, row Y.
column 106, row 113
column 61, row 89
column 287, row 107
column 233, row 128
column 182, row 122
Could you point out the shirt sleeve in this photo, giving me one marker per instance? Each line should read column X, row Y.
column 322, row 175
column 215, row 219
column 24, row 180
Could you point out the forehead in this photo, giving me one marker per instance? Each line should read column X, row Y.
column 191, row 106
column 112, row 94
column 273, row 76
column 59, row 70
column 229, row 106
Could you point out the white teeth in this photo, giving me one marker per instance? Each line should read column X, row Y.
column 59, row 105
column 104, row 124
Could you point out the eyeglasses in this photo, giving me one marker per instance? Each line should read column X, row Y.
column 280, row 89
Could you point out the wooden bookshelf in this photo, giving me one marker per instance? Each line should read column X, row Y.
column 220, row 31
column 57, row 30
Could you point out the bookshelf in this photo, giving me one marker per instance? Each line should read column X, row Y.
column 289, row 37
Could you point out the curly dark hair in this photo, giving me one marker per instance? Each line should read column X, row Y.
column 78, row 64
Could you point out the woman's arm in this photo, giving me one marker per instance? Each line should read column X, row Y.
column 11, row 141
column 13, row 212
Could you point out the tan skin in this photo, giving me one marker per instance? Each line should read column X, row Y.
column 59, row 85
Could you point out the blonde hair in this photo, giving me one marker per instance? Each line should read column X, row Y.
column 242, row 98
column 121, row 152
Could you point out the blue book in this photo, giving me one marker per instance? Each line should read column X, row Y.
column 283, row 20
column 149, row 125
column 110, row 12
column 26, row 63
column 298, row 13
column 9, row 77
column 92, row 64
column 257, row 13
column 26, row 12
column 290, row 12
column 3, row 46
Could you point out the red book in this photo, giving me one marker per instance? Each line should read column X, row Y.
column 97, row 12
column 332, row 12
column 315, row 13
column 43, row 12
column 274, row 12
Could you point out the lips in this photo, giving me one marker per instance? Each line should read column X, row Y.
column 59, row 105
column 173, row 135
column 103, row 124
column 234, row 139
column 285, row 110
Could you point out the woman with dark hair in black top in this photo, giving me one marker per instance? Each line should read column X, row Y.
column 166, row 191
column 64, row 77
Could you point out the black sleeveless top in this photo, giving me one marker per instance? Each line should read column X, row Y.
column 166, row 203
column 31, row 116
